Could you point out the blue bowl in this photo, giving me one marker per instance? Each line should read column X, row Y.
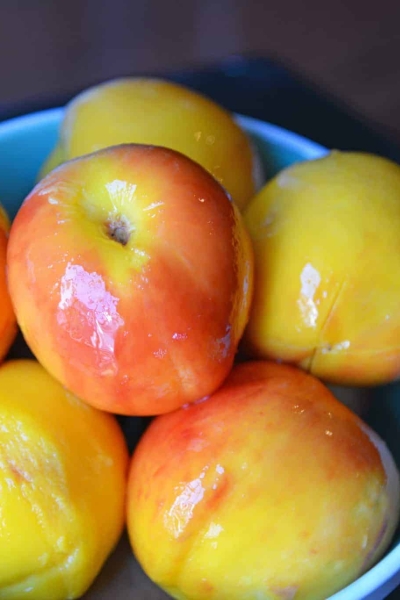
column 25, row 143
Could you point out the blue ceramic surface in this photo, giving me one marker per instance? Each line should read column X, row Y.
column 24, row 144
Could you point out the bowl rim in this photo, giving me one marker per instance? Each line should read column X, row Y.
column 49, row 116
column 278, row 135
column 275, row 133
column 386, row 572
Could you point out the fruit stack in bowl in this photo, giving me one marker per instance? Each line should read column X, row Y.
column 163, row 266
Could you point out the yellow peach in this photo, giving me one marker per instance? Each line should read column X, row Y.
column 8, row 323
column 159, row 112
column 326, row 235
column 62, row 480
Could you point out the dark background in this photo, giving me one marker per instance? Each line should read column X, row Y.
column 328, row 70
column 350, row 48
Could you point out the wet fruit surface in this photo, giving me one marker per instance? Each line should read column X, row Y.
column 63, row 474
column 326, row 235
column 131, row 276
column 270, row 489
column 8, row 323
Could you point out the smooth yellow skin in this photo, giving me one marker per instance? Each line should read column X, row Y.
column 158, row 112
column 326, row 235
column 62, row 480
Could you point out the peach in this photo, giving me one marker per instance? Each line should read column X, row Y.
column 154, row 111
column 63, row 482
column 130, row 271
column 326, row 236
column 8, row 323
column 270, row 488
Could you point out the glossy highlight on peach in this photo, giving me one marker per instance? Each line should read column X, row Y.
column 131, row 274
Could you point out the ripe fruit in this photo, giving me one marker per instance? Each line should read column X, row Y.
column 269, row 488
column 326, row 235
column 63, row 478
column 161, row 113
column 131, row 276
column 8, row 325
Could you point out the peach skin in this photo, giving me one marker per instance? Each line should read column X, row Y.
column 326, row 236
column 268, row 489
column 63, row 482
column 131, row 272
column 8, row 322
column 146, row 110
